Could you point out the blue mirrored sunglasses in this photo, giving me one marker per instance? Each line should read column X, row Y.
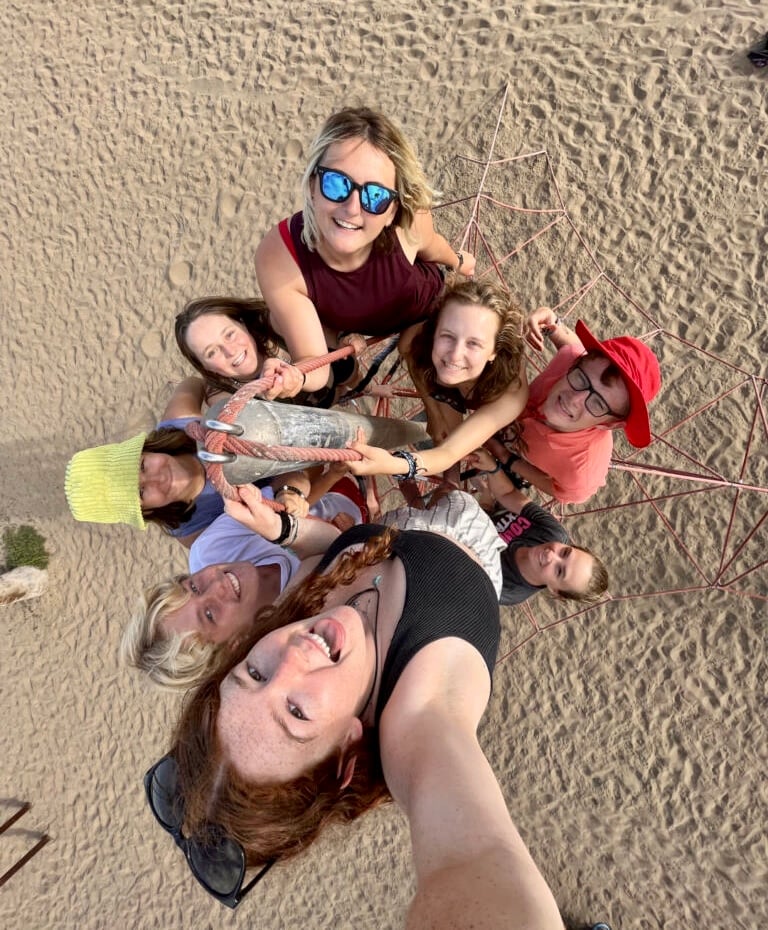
column 337, row 187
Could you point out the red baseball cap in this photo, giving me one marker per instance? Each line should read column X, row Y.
column 640, row 370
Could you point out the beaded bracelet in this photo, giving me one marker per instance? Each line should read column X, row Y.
column 410, row 459
column 292, row 489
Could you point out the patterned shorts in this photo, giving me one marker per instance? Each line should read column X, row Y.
column 458, row 516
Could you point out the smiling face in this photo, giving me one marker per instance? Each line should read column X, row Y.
column 557, row 566
column 223, row 346
column 564, row 408
column 346, row 230
column 223, row 601
column 464, row 342
column 297, row 695
column 165, row 479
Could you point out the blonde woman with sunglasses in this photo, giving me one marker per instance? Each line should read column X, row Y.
column 362, row 257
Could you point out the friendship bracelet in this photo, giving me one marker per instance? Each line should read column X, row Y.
column 286, row 525
column 410, row 459
column 293, row 490
column 460, row 256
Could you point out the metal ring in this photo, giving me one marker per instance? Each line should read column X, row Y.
column 233, row 429
column 216, row 458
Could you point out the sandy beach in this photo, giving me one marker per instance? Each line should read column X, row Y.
column 147, row 147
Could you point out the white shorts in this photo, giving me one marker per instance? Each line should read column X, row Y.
column 459, row 517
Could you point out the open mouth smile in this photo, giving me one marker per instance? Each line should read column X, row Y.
column 235, row 582
column 343, row 224
column 321, row 642
column 330, row 640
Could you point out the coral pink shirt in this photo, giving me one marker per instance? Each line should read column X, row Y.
column 577, row 462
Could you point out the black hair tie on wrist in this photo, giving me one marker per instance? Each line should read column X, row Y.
column 285, row 527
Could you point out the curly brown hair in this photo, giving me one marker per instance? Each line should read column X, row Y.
column 276, row 820
column 506, row 367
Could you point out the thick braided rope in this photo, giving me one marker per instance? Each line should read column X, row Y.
column 216, row 441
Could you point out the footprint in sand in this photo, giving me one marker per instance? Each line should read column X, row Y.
column 179, row 273
column 293, row 150
column 152, row 344
column 228, row 205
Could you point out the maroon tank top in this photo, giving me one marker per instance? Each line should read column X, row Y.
column 384, row 296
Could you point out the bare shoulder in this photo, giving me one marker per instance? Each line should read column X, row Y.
column 276, row 268
column 271, row 246
column 423, row 227
column 447, row 676
column 420, row 233
column 284, row 289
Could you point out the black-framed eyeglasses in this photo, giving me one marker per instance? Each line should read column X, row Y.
column 219, row 863
column 337, row 187
column 595, row 403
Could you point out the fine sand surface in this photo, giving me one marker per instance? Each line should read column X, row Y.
column 146, row 148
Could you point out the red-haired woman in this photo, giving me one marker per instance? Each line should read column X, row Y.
column 369, row 681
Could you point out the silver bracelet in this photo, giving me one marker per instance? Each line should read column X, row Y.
column 292, row 489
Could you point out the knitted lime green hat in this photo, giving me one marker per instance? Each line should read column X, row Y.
column 102, row 484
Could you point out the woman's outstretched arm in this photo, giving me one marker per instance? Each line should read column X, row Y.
column 473, row 869
column 468, row 436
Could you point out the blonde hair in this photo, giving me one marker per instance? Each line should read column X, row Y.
column 596, row 586
column 175, row 661
column 414, row 193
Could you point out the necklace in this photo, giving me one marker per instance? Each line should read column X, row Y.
column 352, row 602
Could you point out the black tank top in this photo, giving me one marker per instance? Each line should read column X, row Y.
column 447, row 594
